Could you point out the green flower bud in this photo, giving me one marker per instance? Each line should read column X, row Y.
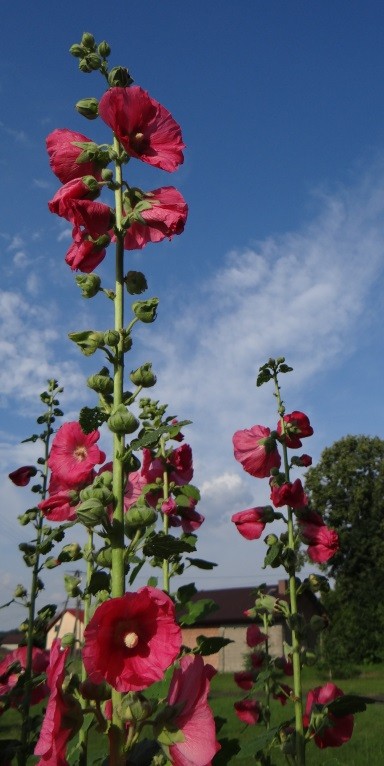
column 88, row 41
column 143, row 376
column 145, row 311
column 271, row 539
column 91, row 512
column 88, row 107
column 104, row 557
column 89, row 284
column 99, row 493
column 68, row 640
column 20, row 592
column 139, row 516
column 135, row 282
column 102, row 384
column 135, row 707
column 70, row 552
column 127, row 342
column 51, row 563
column 119, row 77
column 107, row 174
column 104, row 49
column 111, row 338
column 87, row 340
column 84, row 66
column 122, row 421
column 77, row 51
column 93, row 61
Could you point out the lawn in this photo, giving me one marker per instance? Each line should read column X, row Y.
column 366, row 747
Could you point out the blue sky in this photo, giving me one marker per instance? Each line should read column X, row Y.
column 282, row 112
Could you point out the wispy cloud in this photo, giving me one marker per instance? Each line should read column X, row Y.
column 19, row 136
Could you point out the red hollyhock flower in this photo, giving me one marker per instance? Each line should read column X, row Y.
column 14, row 665
column 289, row 494
column 74, row 454
column 144, row 127
column 130, row 641
column 297, row 428
column 165, row 218
column 256, row 450
column 245, row 679
column 22, row 476
column 57, row 729
column 189, row 689
column 84, row 254
column 76, row 203
column 248, row 711
column 257, row 660
column 336, row 731
column 254, row 636
column 179, row 465
column 322, row 541
column 305, row 460
column 63, row 156
column 251, row 523
column 283, row 693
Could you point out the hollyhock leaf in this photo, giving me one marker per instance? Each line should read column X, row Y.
column 190, row 491
column 260, row 742
column 165, row 546
column 201, row 563
column 169, row 737
column 91, row 418
column 185, row 593
column 229, row 748
column 197, row 610
column 349, row 704
column 273, row 556
column 210, row 645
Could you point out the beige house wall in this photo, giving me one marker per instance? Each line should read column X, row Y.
column 67, row 624
column 231, row 657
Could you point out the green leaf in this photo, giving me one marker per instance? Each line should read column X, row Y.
column 348, row 705
column 198, row 610
column 273, row 555
column 201, row 563
column 185, row 593
column 189, row 491
column 135, row 571
column 168, row 737
column 212, row 645
column 259, row 743
column 229, row 748
column 165, row 546
column 91, row 418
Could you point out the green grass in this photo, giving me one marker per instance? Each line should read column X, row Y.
column 366, row 748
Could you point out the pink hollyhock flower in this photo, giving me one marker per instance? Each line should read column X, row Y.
column 22, row 476
column 283, row 693
column 13, row 666
column 322, row 541
column 165, row 218
column 74, row 454
column 305, row 460
column 289, row 494
column 169, row 506
column 57, row 729
column 133, row 488
column 189, row 690
column 178, row 464
column 63, row 156
column 190, row 519
column 75, row 202
column 297, row 427
column 245, row 679
column 84, row 254
column 144, row 127
column 256, row 450
column 337, row 730
column 251, row 523
column 254, row 636
column 248, row 711
column 130, row 641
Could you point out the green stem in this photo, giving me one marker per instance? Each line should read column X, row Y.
column 166, row 574
column 297, row 681
column 267, row 690
column 83, row 734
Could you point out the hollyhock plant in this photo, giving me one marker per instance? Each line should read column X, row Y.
column 57, row 727
column 64, row 155
column 87, row 215
column 85, row 254
column 251, row 523
column 289, row 493
column 22, row 476
column 335, row 731
column 74, row 454
column 248, row 710
column 164, row 216
column 282, row 693
column 322, row 541
column 254, row 636
column 130, row 641
column 188, row 691
column 144, row 127
column 245, row 679
column 257, row 660
column 255, row 448
column 296, row 427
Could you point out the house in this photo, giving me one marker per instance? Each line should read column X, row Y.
column 67, row 621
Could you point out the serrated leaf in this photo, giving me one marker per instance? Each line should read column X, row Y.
column 165, row 546
column 228, row 749
column 259, row 743
column 212, row 645
column 201, row 563
column 272, row 557
column 198, row 610
column 190, row 491
column 91, row 418
column 185, row 592
column 348, row 705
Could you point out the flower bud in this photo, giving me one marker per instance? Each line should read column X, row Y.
column 88, row 107
column 145, row 311
column 102, row 384
column 135, row 707
column 84, row 66
column 135, row 282
column 91, row 512
column 119, row 77
column 20, row 592
column 127, row 342
column 122, row 421
column 271, row 539
column 77, row 51
column 89, row 284
column 104, row 557
column 104, row 49
column 68, row 640
column 70, row 552
column 88, row 41
column 87, row 340
column 51, row 563
column 107, row 174
column 143, row 376
column 139, row 516
column 111, row 338
column 97, row 692
column 93, row 61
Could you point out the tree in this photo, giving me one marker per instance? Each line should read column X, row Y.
column 347, row 488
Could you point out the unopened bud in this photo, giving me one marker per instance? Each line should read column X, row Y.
column 135, row 282
column 119, row 77
column 139, row 516
column 89, row 284
column 77, row 51
column 111, row 338
column 88, row 107
column 91, row 512
column 104, row 49
column 145, row 311
column 88, row 41
column 143, row 376
column 20, row 592
column 122, row 421
column 68, row 640
column 102, row 384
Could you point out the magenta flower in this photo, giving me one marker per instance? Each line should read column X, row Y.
column 22, row 476
column 257, row 660
column 84, row 254
column 254, row 636
column 248, row 711
column 63, row 156
column 256, row 450
column 189, row 690
column 130, row 641
column 305, row 460
column 74, row 454
column 251, row 523
column 57, row 727
column 289, row 493
column 283, row 693
column 245, row 679
column 297, row 427
column 165, row 218
column 144, row 127
column 13, row 666
column 322, row 541
column 76, row 203
column 337, row 730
